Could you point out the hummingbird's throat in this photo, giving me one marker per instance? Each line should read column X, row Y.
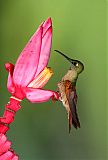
column 42, row 78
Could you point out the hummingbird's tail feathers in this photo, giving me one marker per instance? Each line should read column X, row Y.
column 70, row 121
column 75, row 119
column 72, row 99
column 76, row 124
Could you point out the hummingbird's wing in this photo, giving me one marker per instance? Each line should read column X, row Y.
column 72, row 100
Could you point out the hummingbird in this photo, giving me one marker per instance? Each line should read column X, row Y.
column 67, row 90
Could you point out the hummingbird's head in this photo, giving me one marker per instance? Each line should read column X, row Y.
column 79, row 67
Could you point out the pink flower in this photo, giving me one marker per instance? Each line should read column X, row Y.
column 26, row 80
column 6, row 152
column 30, row 73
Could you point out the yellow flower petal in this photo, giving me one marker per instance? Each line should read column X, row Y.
column 42, row 78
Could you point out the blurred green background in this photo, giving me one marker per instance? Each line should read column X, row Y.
column 40, row 131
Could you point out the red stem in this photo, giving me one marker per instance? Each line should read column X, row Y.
column 9, row 113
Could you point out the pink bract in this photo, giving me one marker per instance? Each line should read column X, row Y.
column 32, row 62
column 5, row 150
column 26, row 80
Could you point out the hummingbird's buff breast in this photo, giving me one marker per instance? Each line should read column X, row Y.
column 71, row 75
column 62, row 92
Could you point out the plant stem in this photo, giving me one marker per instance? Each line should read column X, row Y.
column 9, row 113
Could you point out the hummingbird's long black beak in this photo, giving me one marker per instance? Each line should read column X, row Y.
column 74, row 62
column 69, row 59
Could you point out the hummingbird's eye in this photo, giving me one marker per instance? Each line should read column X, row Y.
column 75, row 64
